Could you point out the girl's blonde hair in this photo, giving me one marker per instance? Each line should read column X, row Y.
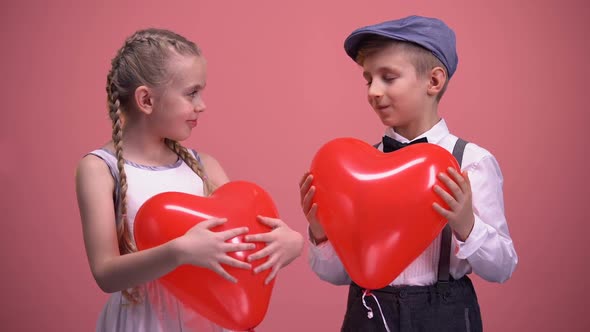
column 143, row 61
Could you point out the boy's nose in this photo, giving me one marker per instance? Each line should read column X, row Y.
column 375, row 90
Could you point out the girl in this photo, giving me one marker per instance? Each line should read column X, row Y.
column 154, row 101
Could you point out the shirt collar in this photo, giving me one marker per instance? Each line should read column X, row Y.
column 433, row 135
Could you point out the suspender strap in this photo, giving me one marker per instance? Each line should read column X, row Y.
column 445, row 242
column 458, row 150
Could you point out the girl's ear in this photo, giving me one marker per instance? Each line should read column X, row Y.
column 144, row 99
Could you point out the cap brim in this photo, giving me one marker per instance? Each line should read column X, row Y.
column 352, row 43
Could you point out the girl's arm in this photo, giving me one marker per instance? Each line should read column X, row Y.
column 214, row 171
column 114, row 272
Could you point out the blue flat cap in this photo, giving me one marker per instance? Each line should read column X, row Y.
column 430, row 33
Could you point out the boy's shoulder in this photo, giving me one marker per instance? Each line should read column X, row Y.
column 474, row 154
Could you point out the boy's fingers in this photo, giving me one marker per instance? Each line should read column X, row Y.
column 304, row 179
column 451, row 202
column 452, row 185
column 305, row 188
column 312, row 212
column 306, row 204
column 440, row 210
column 458, row 178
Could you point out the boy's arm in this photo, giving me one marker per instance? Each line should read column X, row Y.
column 488, row 248
column 325, row 263
column 322, row 257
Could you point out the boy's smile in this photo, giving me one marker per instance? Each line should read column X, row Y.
column 397, row 94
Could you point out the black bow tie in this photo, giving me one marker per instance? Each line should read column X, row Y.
column 390, row 144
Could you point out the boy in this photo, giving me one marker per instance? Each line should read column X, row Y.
column 407, row 64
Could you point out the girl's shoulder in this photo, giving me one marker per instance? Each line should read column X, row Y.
column 213, row 168
column 97, row 163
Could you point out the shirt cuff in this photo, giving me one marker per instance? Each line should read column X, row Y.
column 311, row 238
column 474, row 241
column 324, row 250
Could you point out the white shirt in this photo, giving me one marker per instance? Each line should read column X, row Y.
column 488, row 251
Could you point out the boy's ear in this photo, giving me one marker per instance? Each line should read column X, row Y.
column 144, row 99
column 438, row 78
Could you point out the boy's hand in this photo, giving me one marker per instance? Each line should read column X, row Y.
column 460, row 216
column 283, row 245
column 310, row 210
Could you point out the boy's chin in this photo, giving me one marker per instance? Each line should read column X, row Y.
column 388, row 122
column 387, row 119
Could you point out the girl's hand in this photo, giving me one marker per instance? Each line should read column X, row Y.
column 202, row 247
column 283, row 245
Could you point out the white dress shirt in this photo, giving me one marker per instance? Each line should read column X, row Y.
column 488, row 251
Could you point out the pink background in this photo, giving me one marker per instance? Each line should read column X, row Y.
column 280, row 85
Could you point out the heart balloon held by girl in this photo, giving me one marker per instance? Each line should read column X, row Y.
column 240, row 306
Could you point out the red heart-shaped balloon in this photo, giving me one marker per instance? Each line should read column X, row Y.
column 376, row 208
column 166, row 216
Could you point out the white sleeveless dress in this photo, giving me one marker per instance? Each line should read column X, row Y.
column 159, row 310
